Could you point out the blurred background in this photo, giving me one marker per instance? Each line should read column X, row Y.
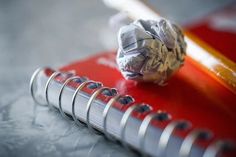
column 53, row 33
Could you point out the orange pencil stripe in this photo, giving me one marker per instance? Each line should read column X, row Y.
column 224, row 72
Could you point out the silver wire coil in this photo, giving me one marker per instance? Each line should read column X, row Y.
column 167, row 133
column 145, row 125
column 55, row 74
column 185, row 149
column 191, row 138
column 104, row 116
column 124, row 120
column 60, row 95
column 94, row 95
column 78, row 89
column 216, row 148
column 32, row 82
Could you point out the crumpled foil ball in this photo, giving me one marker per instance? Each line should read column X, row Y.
column 150, row 51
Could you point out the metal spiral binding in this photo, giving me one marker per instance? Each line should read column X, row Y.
column 55, row 74
column 94, row 95
column 123, row 122
column 190, row 139
column 74, row 98
column 105, row 113
column 167, row 133
column 186, row 146
column 145, row 124
column 217, row 147
column 60, row 95
column 32, row 81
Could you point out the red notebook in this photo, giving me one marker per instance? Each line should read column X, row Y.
column 190, row 95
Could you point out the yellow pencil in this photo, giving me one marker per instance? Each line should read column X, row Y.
column 210, row 60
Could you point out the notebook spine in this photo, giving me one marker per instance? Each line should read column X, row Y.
column 213, row 149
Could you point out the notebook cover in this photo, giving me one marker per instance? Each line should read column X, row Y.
column 190, row 94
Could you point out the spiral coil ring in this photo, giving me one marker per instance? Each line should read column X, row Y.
column 216, row 148
column 186, row 147
column 32, row 81
column 74, row 98
column 144, row 126
column 188, row 142
column 167, row 133
column 124, row 120
column 55, row 74
column 105, row 113
column 60, row 95
column 94, row 95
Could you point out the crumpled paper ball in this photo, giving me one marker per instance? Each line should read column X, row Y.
column 150, row 51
